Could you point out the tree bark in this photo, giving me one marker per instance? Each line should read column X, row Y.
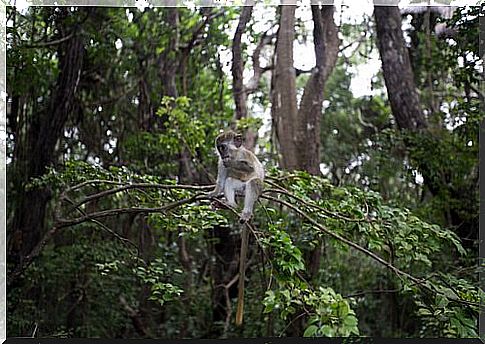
column 284, row 107
column 43, row 132
column 240, row 90
column 398, row 74
column 298, row 130
column 223, row 271
column 238, row 65
column 326, row 43
column 171, row 62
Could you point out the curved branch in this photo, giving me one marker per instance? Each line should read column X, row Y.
column 315, row 206
column 285, row 192
column 62, row 223
column 49, row 43
column 140, row 186
column 344, row 240
column 258, row 71
column 135, row 210
column 106, row 228
column 397, row 271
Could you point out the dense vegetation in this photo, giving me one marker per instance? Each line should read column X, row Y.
column 368, row 223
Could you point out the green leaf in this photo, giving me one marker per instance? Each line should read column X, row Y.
column 310, row 331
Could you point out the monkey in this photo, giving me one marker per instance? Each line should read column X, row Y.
column 239, row 173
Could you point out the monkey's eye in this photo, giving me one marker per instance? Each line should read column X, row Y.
column 221, row 148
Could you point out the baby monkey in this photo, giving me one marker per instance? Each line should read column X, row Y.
column 239, row 173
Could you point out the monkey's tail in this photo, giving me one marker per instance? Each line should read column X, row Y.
column 242, row 273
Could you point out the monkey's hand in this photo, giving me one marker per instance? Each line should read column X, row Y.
column 214, row 194
column 227, row 162
column 243, row 166
column 218, row 205
column 245, row 217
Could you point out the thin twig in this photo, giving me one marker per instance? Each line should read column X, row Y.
column 49, row 43
column 128, row 185
column 292, row 321
column 312, row 205
column 106, row 228
column 378, row 291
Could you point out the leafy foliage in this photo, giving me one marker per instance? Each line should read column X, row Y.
column 362, row 217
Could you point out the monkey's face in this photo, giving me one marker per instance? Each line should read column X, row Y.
column 227, row 145
column 223, row 149
column 226, row 151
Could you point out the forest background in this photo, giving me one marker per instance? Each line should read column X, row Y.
column 368, row 224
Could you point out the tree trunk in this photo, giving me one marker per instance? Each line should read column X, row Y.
column 284, row 107
column 301, row 128
column 240, row 90
column 326, row 43
column 171, row 62
column 398, row 74
column 222, row 272
column 238, row 64
column 38, row 150
column 297, row 128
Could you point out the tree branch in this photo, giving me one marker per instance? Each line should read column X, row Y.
column 419, row 282
column 140, row 186
column 106, row 228
column 297, row 208
column 237, row 67
column 49, row 43
column 196, row 33
column 344, row 240
column 135, row 210
column 258, row 71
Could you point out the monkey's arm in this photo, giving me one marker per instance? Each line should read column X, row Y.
column 221, row 179
column 242, row 165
